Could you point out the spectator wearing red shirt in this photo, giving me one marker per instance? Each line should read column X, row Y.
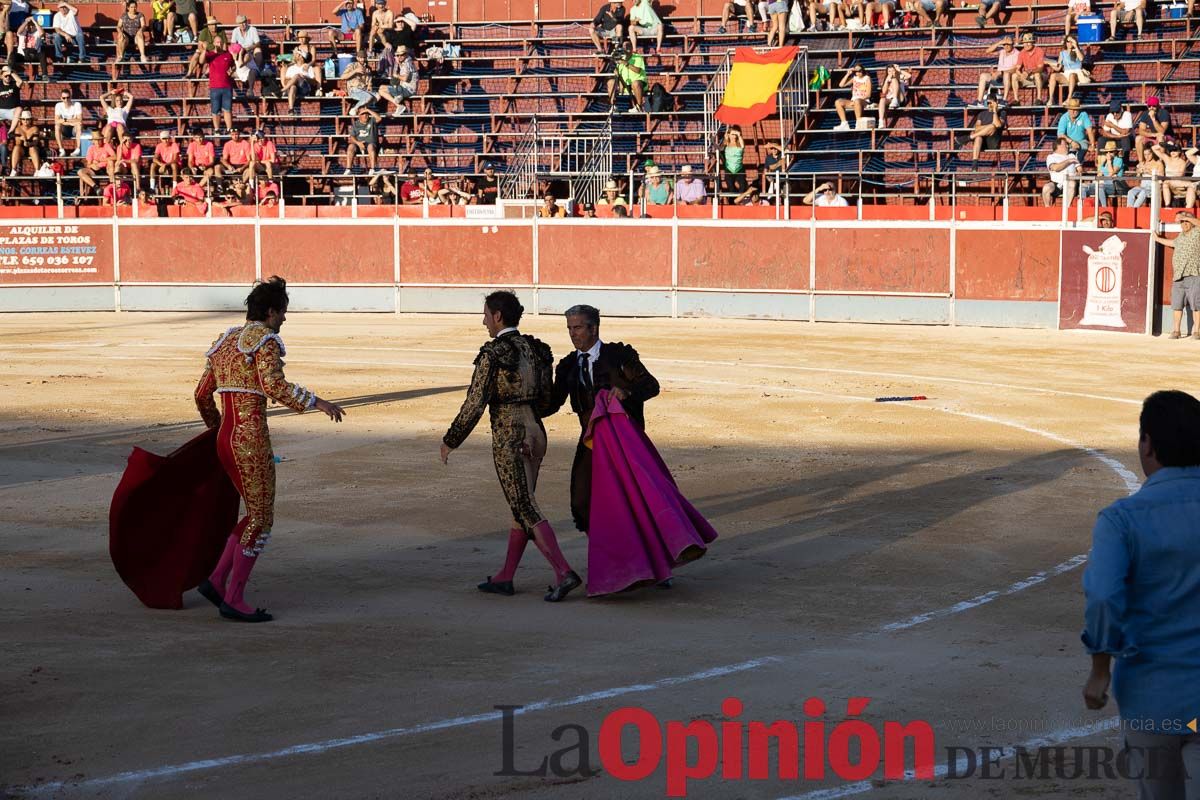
column 263, row 156
column 268, row 193
column 165, row 159
column 99, row 157
column 235, row 155
column 128, row 159
column 116, row 193
column 410, row 191
column 201, row 156
column 188, row 192
column 1031, row 68
column 220, row 83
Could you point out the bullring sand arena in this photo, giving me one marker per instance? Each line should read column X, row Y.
column 926, row 555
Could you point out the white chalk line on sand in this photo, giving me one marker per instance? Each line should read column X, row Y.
column 1126, row 476
column 962, row 764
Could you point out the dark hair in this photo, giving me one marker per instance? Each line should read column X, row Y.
column 589, row 313
column 1171, row 420
column 266, row 295
column 508, row 305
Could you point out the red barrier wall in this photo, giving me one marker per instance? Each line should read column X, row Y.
column 595, row 255
column 201, row 253
column 314, row 254
column 473, row 254
column 1006, row 265
column 55, row 253
column 883, row 259
column 729, row 257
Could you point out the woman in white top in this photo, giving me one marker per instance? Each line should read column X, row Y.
column 1075, row 9
column 893, row 91
column 644, row 22
column 68, row 113
column 117, row 104
column 860, row 95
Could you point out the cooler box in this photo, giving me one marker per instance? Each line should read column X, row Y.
column 44, row 18
column 1177, row 11
column 344, row 61
column 1091, row 28
column 85, row 143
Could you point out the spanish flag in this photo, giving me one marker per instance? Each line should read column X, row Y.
column 754, row 84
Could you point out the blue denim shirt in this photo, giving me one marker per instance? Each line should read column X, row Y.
column 1142, row 586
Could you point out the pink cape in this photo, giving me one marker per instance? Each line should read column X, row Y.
column 641, row 526
column 169, row 519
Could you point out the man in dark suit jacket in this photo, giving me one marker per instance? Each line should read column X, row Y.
column 596, row 365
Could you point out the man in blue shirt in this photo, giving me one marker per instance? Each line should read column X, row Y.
column 1076, row 125
column 1142, row 585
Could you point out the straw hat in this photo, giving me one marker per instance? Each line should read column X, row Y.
column 610, row 186
column 1073, row 103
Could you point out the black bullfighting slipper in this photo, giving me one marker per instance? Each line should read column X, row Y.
column 210, row 593
column 259, row 615
column 498, row 587
column 560, row 592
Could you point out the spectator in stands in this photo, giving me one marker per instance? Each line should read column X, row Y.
column 235, row 155
column 185, row 10
column 382, row 19
column 1117, row 125
column 629, row 77
column 778, row 30
column 220, row 83
column 26, row 140
column 433, row 189
column 383, row 189
column 352, row 14
column 931, row 10
column 254, row 67
column 1185, row 286
column 689, row 190
column 1175, row 169
column 13, row 13
column 656, row 191
column 268, row 193
column 1148, row 168
column 188, row 192
column 587, row 211
column 364, row 137
column 1075, row 9
column 620, row 212
column 131, row 32
column 1007, row 62
column 893, row 91
column 31, row 48
column 550, row 209
column 305, row 47
column 68, row 113
column 164, row 160
column 609, row 25
column 643, row 21
column 1109, row 167
column 245, row 35
column 774, row 171
column 1123, row 11
column 128, row 159
column 162, row 21
column 410, row 191
column 116, row 104
column 831, row 10
column 989, row 127
column 201, row 157
column 611, row 196
column 737, row 10
column 1153, row 126
column 1105, row 220
column 988, row 10
column 1064, row 170
column 116, row 193
column 264, row 157
column 299, row 81
column 401, row 33
column 1031, row 69
column 860, row 96
column 403, row 83
column 1068, row 71
column 1076, row 126
column 10, row 97
column 825, row 196
column 488, row 186
column 464, row 192
column 357, row 80
column 67, row 29
column 733, row 151
column 95, row 163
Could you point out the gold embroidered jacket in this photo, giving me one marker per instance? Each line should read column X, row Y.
column 248, row 359
column 512, row 369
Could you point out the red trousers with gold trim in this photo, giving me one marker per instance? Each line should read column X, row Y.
column 244, row 448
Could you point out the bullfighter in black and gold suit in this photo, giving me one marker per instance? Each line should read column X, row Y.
column 513, row 380
column 596, row 365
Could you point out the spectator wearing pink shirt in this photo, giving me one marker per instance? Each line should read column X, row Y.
column 235, row 155
column 188, row 192
column 860, row 95
column 128, row 159
column 201, row 156
column 165, row 159
column 1006, row 68
column 264, row 157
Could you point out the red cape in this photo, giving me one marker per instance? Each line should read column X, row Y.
column 169, row 520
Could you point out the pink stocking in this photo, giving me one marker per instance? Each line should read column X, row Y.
column 517, row 539
column 242, row 565
column 547, row 543
column 221, row 574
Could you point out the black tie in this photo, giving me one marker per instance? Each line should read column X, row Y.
column 585, row 375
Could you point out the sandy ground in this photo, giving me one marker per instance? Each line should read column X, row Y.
column 838, row 516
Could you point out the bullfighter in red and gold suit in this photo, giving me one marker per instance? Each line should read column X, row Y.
column 245, row 367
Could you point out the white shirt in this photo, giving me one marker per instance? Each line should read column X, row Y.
column 1060, row 177
column 593, row 353
column 248, row 39
column 64, row 110
column 67, row 22
column 300, row 69
column 1124, row 121
column 825, row 201
column 504, row 331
